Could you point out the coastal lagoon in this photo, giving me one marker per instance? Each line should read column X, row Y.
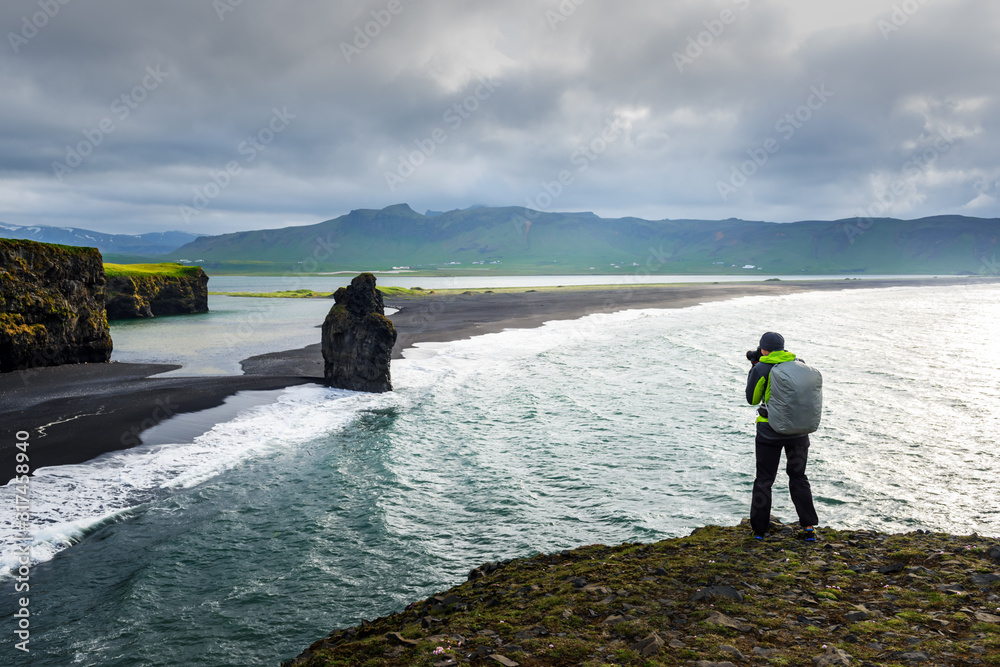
column 315, row 507
column 487, row 281
column 213, row 343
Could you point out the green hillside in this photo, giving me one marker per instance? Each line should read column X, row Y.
column 517, row 240
column 138, row 270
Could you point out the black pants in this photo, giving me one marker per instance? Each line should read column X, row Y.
column 768, row 458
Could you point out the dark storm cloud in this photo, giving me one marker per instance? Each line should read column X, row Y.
column 759, row 109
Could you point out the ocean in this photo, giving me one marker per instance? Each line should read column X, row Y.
column 314, row 508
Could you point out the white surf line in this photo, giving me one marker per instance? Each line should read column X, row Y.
column 41, row 429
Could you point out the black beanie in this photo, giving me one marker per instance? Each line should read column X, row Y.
column 772, row 342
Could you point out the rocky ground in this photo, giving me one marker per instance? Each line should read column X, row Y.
column 713, row 599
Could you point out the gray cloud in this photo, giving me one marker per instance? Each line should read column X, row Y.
column 553, row 87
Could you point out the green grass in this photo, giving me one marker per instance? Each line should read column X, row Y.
column 312, row 294
column 282, row 294
column 402, row 291
column 986, row 628
column 138, row 270
column 907, row 555
column 69, row 249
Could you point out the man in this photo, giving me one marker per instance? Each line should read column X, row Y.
column 769, row 444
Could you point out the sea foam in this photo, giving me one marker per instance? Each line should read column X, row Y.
column 71, row 501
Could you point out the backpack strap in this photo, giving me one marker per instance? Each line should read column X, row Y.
column 764, row 395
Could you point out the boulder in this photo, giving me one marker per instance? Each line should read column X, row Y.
column 914, row 656
column 396, row 638
column 832, row 657
column 51, row 306
column 718, row 618
column 733, row 651
column 502, row 660
column 717, row 592
column 358, row 339
column 984, row 579
column 649, row 646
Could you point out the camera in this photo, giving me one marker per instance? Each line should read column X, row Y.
column 753, row 356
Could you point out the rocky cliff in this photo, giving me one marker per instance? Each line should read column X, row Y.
column 148, row 290
column 51, row 306
column 358, row 339
column 716, row 598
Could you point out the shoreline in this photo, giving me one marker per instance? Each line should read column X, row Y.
column 450, row 317
column 78, row 412
column 75, row 413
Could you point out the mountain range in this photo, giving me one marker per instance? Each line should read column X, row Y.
column 152, row 243
column 520, row 240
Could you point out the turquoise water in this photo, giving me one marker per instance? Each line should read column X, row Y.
column 325, row 507
column 213, row 343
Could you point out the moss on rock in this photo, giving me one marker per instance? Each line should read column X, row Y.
column 51, row 305
column 149, row 290
column 716, row 596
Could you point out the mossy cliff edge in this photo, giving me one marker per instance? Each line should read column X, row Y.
column 51, row 306
column 717, row 598
column 150, row 290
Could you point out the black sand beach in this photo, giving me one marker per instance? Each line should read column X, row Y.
column 75, row 413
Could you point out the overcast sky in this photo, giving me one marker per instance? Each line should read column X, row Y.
column 207, row 117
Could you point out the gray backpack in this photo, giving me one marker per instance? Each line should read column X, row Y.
column 796, row 403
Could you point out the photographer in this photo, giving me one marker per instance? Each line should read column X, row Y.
column 769, row 444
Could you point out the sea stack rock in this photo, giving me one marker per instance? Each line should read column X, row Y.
column 358, row 339
column 173, row 290
column 51, row 306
